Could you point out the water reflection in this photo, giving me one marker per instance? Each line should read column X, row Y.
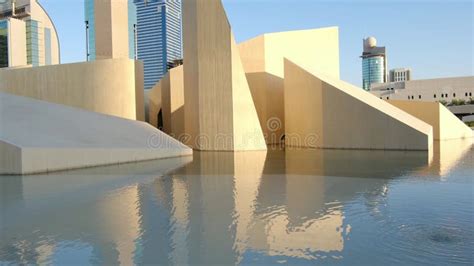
column 447, row 154
column 219, row 208
column 66, row 217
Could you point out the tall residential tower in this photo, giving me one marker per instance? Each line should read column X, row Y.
column 110, row 29
column 159, row 37
column 374, row 64
column 27, row 35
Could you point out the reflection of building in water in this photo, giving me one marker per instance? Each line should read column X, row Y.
column 447, row 154
column 223, row 208
column 321, row 234
column 119, row 222
column 221, row 201
column 180, row 222
column 83, row 216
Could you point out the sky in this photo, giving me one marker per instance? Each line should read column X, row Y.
column 432, row 37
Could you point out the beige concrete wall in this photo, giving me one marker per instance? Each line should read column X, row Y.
column 154, row 104
column 139, row 91
column 315, row 49
column 111, row 29
column 172, row 95
column 16, row 43
column 268, row 96
column 219, row 111
column 445, row 124
column 263, row 58
column 322, row 112
column 252, row 53
column 10, row 157
column 113, row 87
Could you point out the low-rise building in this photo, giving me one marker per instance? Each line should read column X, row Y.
column 400, row 74
column 428, row 90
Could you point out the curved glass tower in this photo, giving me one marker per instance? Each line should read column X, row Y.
column 27, row 35
column 374, row 64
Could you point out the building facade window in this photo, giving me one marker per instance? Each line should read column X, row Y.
column 3, row 43
column 373, row 69
column 33, row 42
column 47, row 46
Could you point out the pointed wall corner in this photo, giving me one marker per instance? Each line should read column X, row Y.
column 219, row 111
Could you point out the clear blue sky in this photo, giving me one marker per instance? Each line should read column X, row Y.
column 434, row 38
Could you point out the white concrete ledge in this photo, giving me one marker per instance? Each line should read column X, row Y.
column 38, row 136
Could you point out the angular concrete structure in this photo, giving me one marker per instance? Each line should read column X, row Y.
column 153, row 104
column 268, row 96
column 37, row 136
column 219, row 111
column 263, row 59
column 324, row 112
column 110, row 29
column 172, row 97
column 445, row 124
column 317, row 48
column 113, row 87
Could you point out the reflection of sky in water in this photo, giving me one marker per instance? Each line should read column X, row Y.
column 334, row 207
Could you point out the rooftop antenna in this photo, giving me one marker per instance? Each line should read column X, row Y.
column 13, row 8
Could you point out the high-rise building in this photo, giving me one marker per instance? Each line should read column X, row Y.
column 400, row 74
column 110, row 29
column 159, row 37
column 27, row 35
column 374, row 63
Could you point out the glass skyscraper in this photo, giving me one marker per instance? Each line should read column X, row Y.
column 372, row 71
column 159, row 37
column 374, row 64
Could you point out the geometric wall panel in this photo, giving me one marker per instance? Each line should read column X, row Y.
column 219, row 110
column 324, row 112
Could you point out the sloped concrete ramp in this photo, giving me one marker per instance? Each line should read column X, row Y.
column 38, row 136
column 324, row 112
column 445, row 124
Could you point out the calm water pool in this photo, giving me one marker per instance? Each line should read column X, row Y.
column 275, row 207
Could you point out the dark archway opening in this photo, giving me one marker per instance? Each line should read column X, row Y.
column 160, row 120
